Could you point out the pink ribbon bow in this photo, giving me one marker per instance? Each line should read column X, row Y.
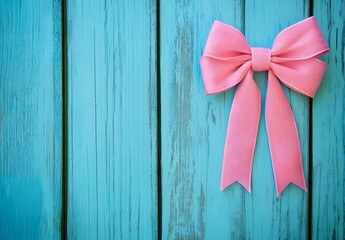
column 228, row 60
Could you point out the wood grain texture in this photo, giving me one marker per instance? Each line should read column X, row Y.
column 112, row 124
column 285, row 217
column 328, row 204
column 30, row 119
column 112, row 190
column 194, row 128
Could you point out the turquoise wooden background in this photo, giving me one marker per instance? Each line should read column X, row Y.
column 106, row 132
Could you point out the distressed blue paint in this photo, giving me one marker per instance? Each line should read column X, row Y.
column 112, row 181
column 328, row 204
column 112, row 124
column 194, row 127
column 267, row 216
column 30, row 119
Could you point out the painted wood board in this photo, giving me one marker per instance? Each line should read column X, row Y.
column 285, row 217
column 112, row 107
column 30, row 120
column 194, row 127
column 328, row 124
column 112, row 124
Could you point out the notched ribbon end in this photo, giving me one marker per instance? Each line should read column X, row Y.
column 302, row 185
column 226, row 184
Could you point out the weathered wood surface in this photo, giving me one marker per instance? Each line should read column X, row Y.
column 328, row 138
column 30, row 119
column 119, row 143
column 194, row 127
column 112, row 150
column 285, row 217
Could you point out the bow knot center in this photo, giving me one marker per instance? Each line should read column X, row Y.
column 261, row 59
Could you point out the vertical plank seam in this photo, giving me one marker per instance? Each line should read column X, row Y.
column 310, row 161
column 159, row 135
column 64, row 194
column 243, row 16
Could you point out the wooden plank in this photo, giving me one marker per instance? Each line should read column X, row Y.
column 285, row 217
column 112, row 192
column 194, row 127
column 30, row 120
column 328, row 128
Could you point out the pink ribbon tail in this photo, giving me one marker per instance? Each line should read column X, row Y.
column 241, row 134
column 283, row 138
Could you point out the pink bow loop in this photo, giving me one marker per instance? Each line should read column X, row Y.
column 228, row 60
column 300, row 41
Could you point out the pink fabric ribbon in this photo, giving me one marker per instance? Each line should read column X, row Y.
column 228, row 60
